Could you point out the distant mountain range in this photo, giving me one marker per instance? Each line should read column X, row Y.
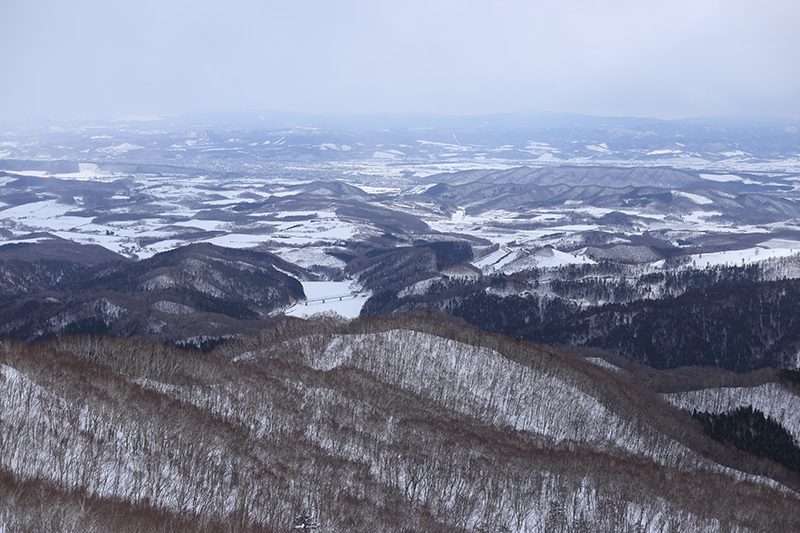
column 246, row 139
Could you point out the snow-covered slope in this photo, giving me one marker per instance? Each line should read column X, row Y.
column 401, row 424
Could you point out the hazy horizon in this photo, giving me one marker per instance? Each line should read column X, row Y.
column 90, row 59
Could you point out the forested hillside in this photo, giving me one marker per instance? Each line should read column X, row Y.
column 412, row 423
column 735, row 317
column 188, row 294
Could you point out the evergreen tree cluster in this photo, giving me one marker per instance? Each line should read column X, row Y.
column 749, row 430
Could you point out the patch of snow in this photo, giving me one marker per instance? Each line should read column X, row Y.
column 205, row 225
column 25, row 241
column 508, row 261
column 492, row 259
column 664, row 151
column 281, row 194
column 696, row 198
column 309, row 256
column 599, row 361
column 602, row 148
column 781, row 244
column 39, row 214
column 173, row 308
column 340, row 297
column 379, row 190
column 721, row 177
column 238, row 240
column 739, row 257
column 120, row 148
column 536, row 145
column 420, row 287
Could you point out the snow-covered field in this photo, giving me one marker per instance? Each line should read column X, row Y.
column 340, row 297
column 508, row 260
column 142, row 214
column 747, row 256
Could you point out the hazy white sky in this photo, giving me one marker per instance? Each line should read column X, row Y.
column 677, row 58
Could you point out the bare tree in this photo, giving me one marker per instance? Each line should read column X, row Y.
column 304, row 521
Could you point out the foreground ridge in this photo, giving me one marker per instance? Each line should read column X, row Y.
column 410, row 423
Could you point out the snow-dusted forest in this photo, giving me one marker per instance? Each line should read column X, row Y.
column 413, row 423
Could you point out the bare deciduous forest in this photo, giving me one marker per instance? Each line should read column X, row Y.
column 412, row 423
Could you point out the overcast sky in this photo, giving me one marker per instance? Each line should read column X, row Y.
column 668, row 59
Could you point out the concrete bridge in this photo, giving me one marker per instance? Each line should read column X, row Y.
column 333, row 297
